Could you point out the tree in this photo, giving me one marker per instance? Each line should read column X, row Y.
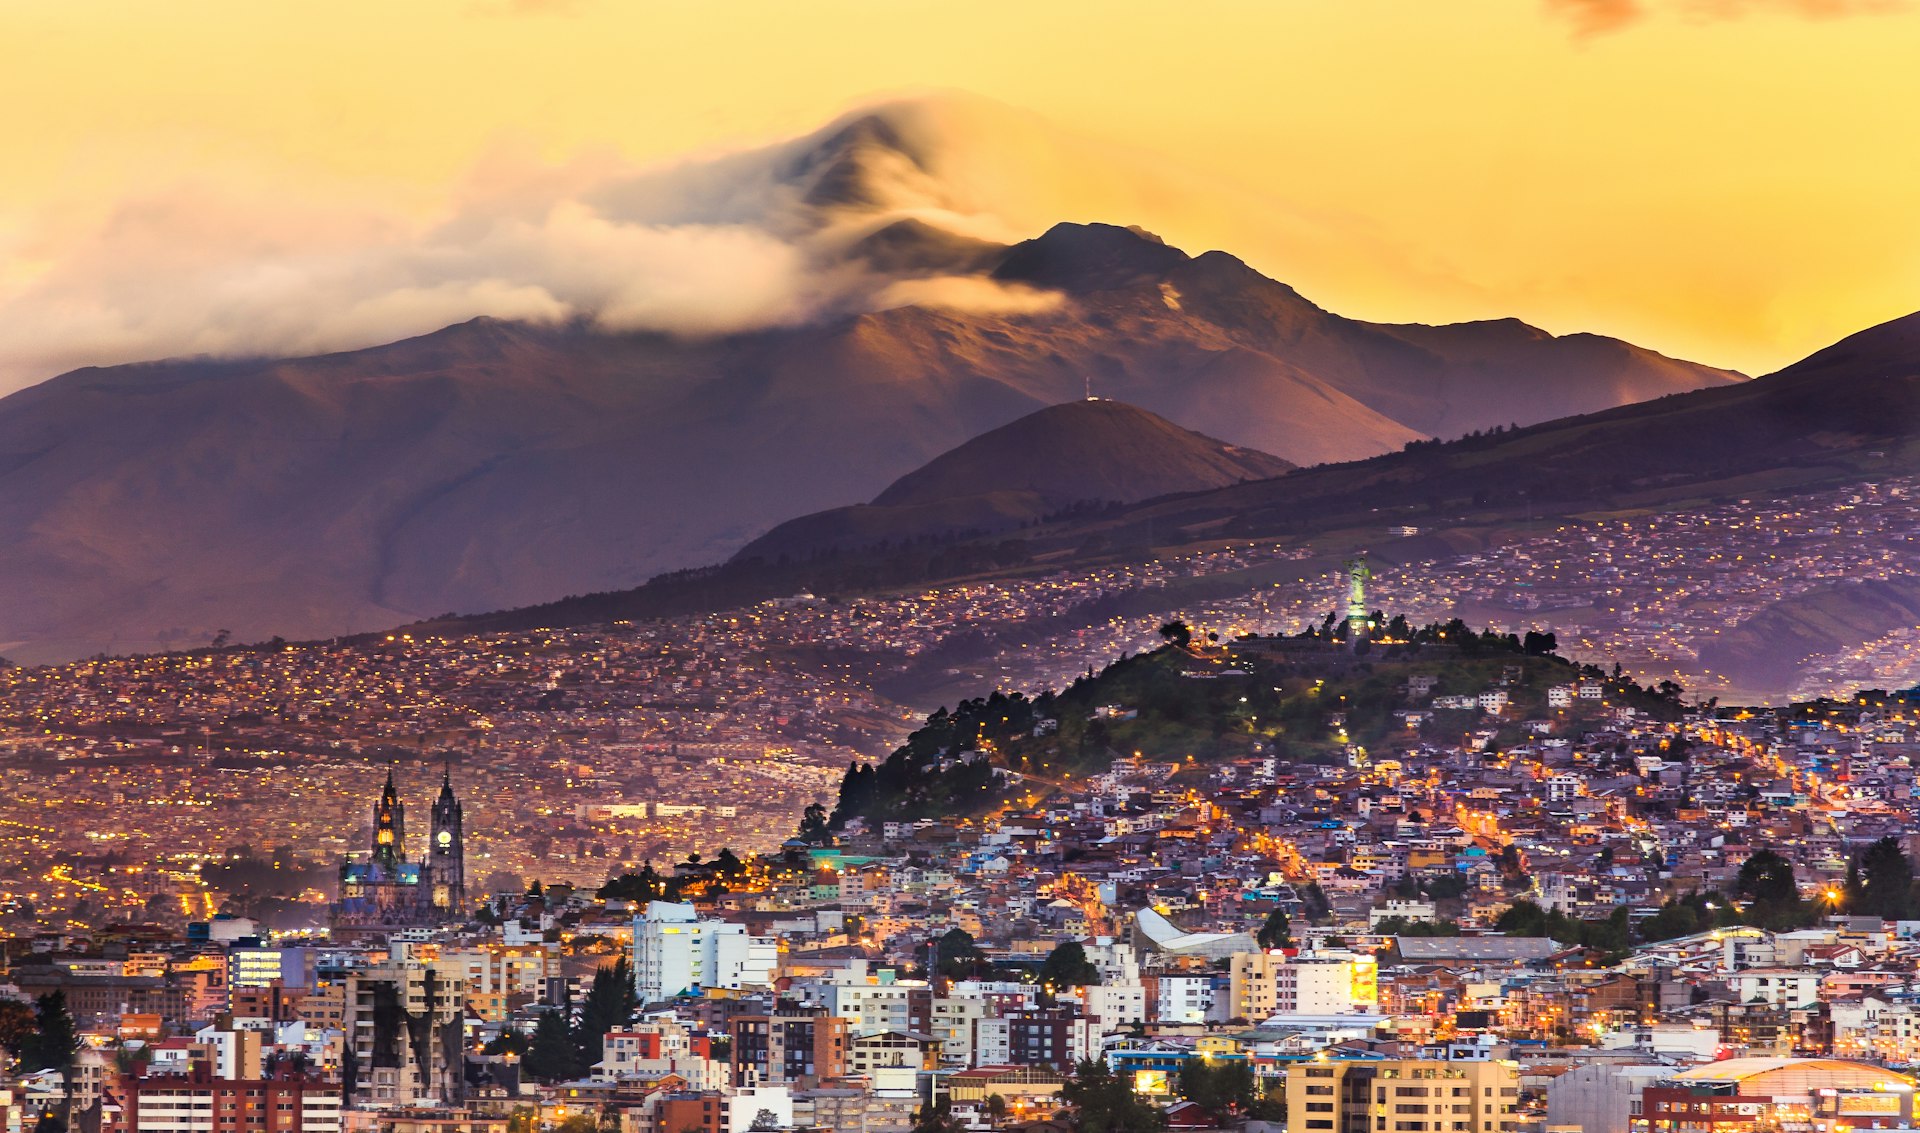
column 765, row 1120
column 1314, row 903
column 54, row 1043
column 1275, row 933
column 1610, row 937
column 1177, row 634
column 1402, row 926
column 1685, row 915
column 1766, row 880
column 1885, row 881
column 1106, row 1104
column 1219, row 1088
column 1766, row 876
column 814, row 829
column 55, row 1039
column 647, row 885
column 610, row 1004
column 1067, row 966
column 955, row 955
column 936, row 1119
column 16, row 1027
column 551, row 1056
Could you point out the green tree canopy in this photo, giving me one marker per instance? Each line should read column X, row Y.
column 610, row 1004
column 1067, row 966
column 1104, row 1103
column 956, row 956
column 1880, row 881
column 552, row 1056
column 1275, row 932
column 1222, row 1088
column 1766, row 876
column 55, row 1039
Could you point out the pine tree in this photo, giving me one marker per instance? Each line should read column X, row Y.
column 53, row 1045
column 552, row 1055
column 1885, row 887
column 55, row 1038
column 609, row 1005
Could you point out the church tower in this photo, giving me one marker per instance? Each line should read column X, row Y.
column 389, row 827
column 447, row 852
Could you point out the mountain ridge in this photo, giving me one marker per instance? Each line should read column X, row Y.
column 495, row 463
column 1774, row 434
column 1088, row 452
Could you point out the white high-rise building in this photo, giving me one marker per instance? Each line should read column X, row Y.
column 1263, row 984
column 675, row 951
column 1186, row 999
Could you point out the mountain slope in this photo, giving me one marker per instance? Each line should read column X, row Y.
column 495, row 464
column 1847, row 413
column 1084, row 450
column 1767, row 649
column 1077, row 452
column 1850, row 410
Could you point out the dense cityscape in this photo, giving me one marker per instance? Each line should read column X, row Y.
column 1317, row 567
column 1466, row 860
column 605, row 747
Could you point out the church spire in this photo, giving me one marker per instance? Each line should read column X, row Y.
column 389, row 825
column 446, row 849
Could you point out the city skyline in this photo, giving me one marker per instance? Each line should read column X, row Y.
column 869, row 566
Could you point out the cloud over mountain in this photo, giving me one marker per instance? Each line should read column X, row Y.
column 758, row 238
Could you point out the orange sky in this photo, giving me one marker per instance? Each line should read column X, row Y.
column 1731, row 182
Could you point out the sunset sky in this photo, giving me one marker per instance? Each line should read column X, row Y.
column 1731, row 182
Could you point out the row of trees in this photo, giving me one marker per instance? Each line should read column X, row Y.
column 1455, row 632
column 651, row 885
column 1766, row 894
column 1104, row 1102
column 956, row 956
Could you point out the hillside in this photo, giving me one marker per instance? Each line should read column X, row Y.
column 1767, row 649
column 1303, row 699
column 1074, row 454
column 494, row 464
column 1842, row 415
column 1845, row 413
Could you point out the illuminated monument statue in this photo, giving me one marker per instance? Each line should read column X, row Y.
column 1358, row 575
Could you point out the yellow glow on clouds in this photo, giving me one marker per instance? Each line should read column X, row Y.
column 1729, row 181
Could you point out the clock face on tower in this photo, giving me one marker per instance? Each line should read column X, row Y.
column 446, row 837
